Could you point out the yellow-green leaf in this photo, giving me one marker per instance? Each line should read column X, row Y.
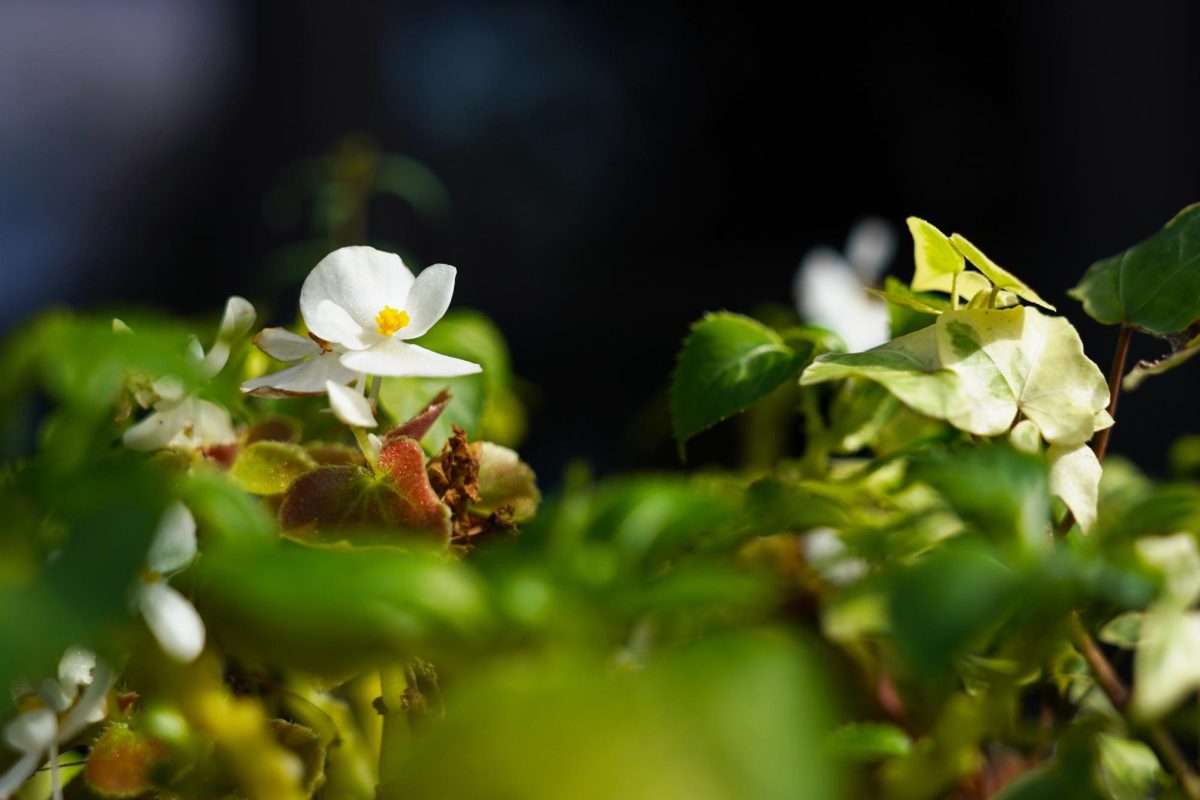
column 269, row 467
column 999, row 276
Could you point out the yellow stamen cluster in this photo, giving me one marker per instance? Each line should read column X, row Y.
column 390, row 320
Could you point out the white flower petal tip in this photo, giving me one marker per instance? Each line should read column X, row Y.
column 33, row 731
column 238, row 318
column 283, row 345
column 119, row 326
column 428, row 300
column 173, row 620
column 394, row 358
column 350, row 406
column 174, row 544
column 376, row 444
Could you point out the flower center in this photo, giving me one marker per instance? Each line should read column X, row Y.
column 390, row 320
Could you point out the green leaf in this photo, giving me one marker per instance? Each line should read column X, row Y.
column 727, row 364
column 1122, row 630
column 405, row 397
column 268, row 467
column 867, row 741
column 933, row 253
column 1001, row 278
column 1001, row 491
column 1145, row 369
column 911, row 301
column 329, row 610
column 1128, row 768
column 908, row 367
column 1020, row 360
column 948, row 601
column 1154, row 285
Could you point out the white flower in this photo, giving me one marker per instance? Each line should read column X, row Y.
column 36, row 734
column 172, row 619
column 367, row 303
column 830, row 288
column 184, row 421
column 316, row 365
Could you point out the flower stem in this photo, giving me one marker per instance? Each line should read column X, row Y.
column 954, row 291
column 364, row 444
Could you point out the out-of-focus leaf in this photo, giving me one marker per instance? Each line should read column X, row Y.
column 1128, row 769
column 1184, row 457
column 1166, row 666
column 727, row 364
column 328, row 611
column 98, row 525
column 1154, row 285
column 999, row 490
column 405, row 397
column 868, row 741
column 223, row 511
column 1122, row 630
column 268, row 467
column 948, row 601
column 736, row 716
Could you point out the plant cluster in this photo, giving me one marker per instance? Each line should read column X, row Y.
column 316, row 566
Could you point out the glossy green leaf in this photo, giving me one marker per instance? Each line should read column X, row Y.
column 1154, row 285
column 727, row 364
column 1001, row 278
column 1128, row 768
column 269, row 467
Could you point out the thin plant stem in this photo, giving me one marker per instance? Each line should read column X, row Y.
column 364, row 444
column 1115, row 376
column 1102, row 670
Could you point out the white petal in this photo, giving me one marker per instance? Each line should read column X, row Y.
column 173, row 620
column 428, row 299
column 212, row 425
column 195, row 350
column 33, row 731
column 91, row 707
column 829, row 293
column 359, row 280
column 18, row 773
column 56, row 696
column 283, row 345
column 307, row 377
column 350, row 406
column 76, row 667
column 174, row 544
column 870, row 247
column 168, row 388
column 160, row 427
column 401, row 359
column 237, row 319
column 334, row 324
column 376, row 444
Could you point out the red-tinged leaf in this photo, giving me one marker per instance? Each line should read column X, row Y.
column 423, row 420
column 121, row 761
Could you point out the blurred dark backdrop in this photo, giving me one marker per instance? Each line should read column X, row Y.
column 613, row 171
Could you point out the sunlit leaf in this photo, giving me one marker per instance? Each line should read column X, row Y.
column 1001, row 278
column 1075, row 477
column 1146, row 369
column 868, row 741
column 727, row 363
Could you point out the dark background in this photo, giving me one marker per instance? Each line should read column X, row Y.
column 614, row 171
